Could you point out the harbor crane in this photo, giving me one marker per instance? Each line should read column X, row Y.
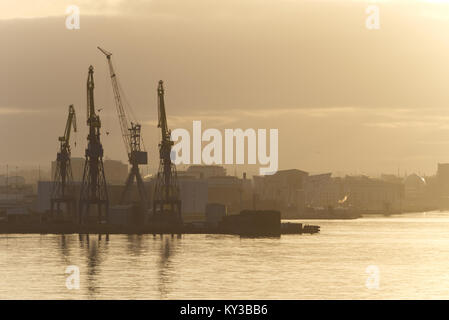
column 132, row 140
column 62, row 187
column 166, row 199
column 93, row 187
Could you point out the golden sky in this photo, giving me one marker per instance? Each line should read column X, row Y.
column 344, row 98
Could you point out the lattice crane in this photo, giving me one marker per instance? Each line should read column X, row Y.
column 62, row 187
column 166, row 199
column 131, row 138
column 93, row 188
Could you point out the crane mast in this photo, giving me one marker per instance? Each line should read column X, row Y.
column 93, row 187
column 166, row 199
column 131, row 138
column 62, row 187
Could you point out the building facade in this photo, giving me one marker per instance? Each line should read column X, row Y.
column 283, row 191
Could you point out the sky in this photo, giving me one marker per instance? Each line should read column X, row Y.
column 344, row 98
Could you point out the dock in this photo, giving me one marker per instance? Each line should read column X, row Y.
column 247, row 223
column 49, row 228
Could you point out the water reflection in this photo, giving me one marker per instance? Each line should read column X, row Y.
column 136, row 245
column 328, row 266
column 96, row 250
column 168, row 247
column 64, row 249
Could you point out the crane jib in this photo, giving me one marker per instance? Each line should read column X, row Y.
column 130, row 132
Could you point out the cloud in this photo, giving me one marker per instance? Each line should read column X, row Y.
column 204, row 9
column 383, row 118
column 235, row 115
column 5, row 111
column 318, row 74
column 429, row 118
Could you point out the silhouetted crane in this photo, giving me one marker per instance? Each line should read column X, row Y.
column 131, row 138
column 62, row 187
column 93, row 188
column 166, row 199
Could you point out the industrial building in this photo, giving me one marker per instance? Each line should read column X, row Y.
column 206, row 171
column 372, row 195
column 360, row 193
column 283, row 191
column 194, row 195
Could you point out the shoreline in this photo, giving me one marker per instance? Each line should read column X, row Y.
column 288, row 228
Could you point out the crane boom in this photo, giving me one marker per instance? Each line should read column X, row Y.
column 162, row 123
column 71, row 122
column 119, row 105
column 131, row 138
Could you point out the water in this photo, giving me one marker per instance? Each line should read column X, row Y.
column 411, row 253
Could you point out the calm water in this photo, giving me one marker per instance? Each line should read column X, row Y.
column 411, row 252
